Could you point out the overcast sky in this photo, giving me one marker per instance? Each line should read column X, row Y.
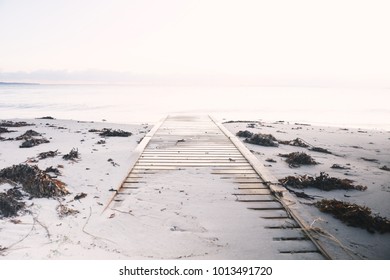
column 245, row 41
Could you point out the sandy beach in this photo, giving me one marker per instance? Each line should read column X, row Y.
column 174, row 221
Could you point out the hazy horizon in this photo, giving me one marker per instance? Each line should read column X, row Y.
column 224, row 42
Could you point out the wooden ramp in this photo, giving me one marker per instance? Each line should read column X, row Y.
column 199, row 143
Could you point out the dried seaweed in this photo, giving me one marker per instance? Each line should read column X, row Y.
column 370, row 159
column 5, row 130
column 80, row 196
column 32, row 142
column 28, row 135
column 44, row 155
column 338, row 166
column 354, row 215
column 72, row 155
column 53, row 170
column 267, row 140
column 108, row 132
column 297, row 159
column 64, row 211
column 323, row 182
column 244, row 133
column 10, row 204
column 298, row 142
column 301, row 194
column 320, row 150
column 34, row 181
column 384, row 167
column 14, row 124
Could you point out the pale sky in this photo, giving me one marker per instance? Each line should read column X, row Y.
column 244, row 41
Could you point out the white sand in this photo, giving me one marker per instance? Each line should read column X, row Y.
column 183, row 219
column 49, row 236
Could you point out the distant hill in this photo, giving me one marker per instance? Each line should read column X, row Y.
column 7, row 83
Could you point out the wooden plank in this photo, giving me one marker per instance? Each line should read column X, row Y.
column 240, row 176
column 249, row 192
column 194, row 164
column 232, row 171
column 248, row 180
column 141, row 161
column 180, row 157
column 156, row 168
column 254, row 197
column 264, row 205
column 295, row 246
column 252, row 186
column 211, row 153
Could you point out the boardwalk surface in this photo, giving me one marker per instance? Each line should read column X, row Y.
column 194, row 194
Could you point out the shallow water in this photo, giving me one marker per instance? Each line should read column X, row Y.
column 366, row 108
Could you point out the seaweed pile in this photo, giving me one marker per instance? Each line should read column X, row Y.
column 64, row 211
column 34, row 181
column 73, row 155
column 5, row 130
column 338, row 166
column 323, row 182
column 10, row 202
column 44, row 155
column 14, row 124
column 320, row 150
column 267, row 140
column 29, row 140
column 354, row 215
column 32, row 142
column 109, row 132
column 297, row 142
column 384, row 167
column 28, row 134
column 297, row 159
column 244, row 133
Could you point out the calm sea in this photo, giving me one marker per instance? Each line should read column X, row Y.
column 365, row 108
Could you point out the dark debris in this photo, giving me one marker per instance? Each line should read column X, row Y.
column 72, row 155
column 34, row 181
column 297, row 159
column 323, row 182
column 267, row 140
column 244, row 133
column 354, row 215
